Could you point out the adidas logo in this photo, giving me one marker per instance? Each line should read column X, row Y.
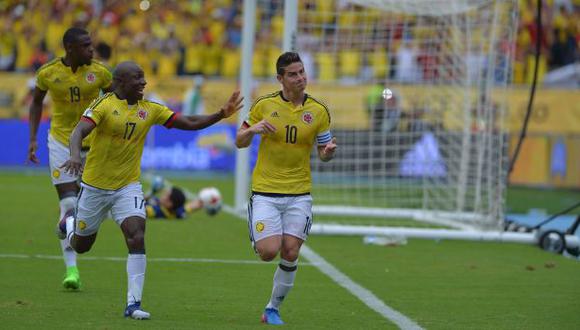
column 115, row 113
column 275, row 114
column 57, row 80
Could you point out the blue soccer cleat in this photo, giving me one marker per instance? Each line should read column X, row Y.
column 271, row 316
column 134, row 311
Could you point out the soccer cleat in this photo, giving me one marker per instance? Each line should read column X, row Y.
column 271, row 316
column 72, row 279
column 134, row 311
column 61, row 225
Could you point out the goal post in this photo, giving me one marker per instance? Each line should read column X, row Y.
column 435, row 148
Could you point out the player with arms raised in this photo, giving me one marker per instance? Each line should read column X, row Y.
column 73, row 82
column 280, row 209
column 110, row 178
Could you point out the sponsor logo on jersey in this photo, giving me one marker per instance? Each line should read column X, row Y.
column 142, row 114
column 275, row 114
column 81, row 224
column 307, row 117
column 260, row 226
column 56, row 174
column 91, row 77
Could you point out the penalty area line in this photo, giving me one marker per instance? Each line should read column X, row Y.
column 364, row 295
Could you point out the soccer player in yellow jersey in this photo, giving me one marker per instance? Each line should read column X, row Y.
column 290, row 122
column 110, row 178
column 73, row 82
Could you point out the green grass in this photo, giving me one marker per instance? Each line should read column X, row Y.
column 440, row 285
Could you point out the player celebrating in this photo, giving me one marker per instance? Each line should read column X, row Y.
column 110, row 178
column 280, row 209
column 73, row 81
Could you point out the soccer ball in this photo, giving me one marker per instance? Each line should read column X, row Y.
column 211, row 200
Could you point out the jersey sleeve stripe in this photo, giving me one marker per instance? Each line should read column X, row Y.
column 99, row 100
column 264, row 97
column 170, row 120
column 88, row 120
column 322, row 105
column 102, row 65
column 51, row 63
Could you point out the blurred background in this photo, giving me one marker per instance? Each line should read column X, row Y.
column 190, row 52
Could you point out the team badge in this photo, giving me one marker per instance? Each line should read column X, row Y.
column 260, row 226
column 82, row 224
column 91, row 77
column 56, row 174
column 307, row 117
column 142, row 114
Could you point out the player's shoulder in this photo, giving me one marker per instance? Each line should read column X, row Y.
column 102, row 100
column 266, row 98
column 50, row 65
column 101, row 66
column 318, row 104
column 151, row 104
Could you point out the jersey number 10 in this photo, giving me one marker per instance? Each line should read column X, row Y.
column 291, row 134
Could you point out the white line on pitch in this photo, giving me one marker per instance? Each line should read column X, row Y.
column 364, row 295
column 182, row 260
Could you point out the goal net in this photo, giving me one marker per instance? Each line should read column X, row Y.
column 416, row 92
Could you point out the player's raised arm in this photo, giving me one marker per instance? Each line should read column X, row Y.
column 74, row 164
column 198, row 122
column 35, row 113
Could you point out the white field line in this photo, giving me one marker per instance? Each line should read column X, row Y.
column 123, row 259
column 364, row 295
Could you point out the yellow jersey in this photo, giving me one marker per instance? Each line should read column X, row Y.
column 119, row 136
column 71, row 93
column 283, row 165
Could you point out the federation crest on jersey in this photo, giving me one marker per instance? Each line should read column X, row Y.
column 91, row 77
column 307, row 117
column 142, row 114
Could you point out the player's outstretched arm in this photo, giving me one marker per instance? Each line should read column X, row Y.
column 35, row 113
column 246, row 133
column 198, row 122
column 74, row 165
column 326, row 152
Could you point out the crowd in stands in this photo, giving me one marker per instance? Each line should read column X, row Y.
column 203, row 37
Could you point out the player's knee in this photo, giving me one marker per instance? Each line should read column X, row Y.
column 267, row 254
column 289, row 254
column 136, row 241
column 80, row 248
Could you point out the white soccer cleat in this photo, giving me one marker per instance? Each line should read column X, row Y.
column 134, row 311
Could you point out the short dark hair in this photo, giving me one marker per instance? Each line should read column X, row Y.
column 104, row 50
column 286, row 59
column 177, row 198
column 72, row 35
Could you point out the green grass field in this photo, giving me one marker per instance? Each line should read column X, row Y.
column 439, row 285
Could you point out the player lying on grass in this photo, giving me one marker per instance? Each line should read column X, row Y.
column 165, row 201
